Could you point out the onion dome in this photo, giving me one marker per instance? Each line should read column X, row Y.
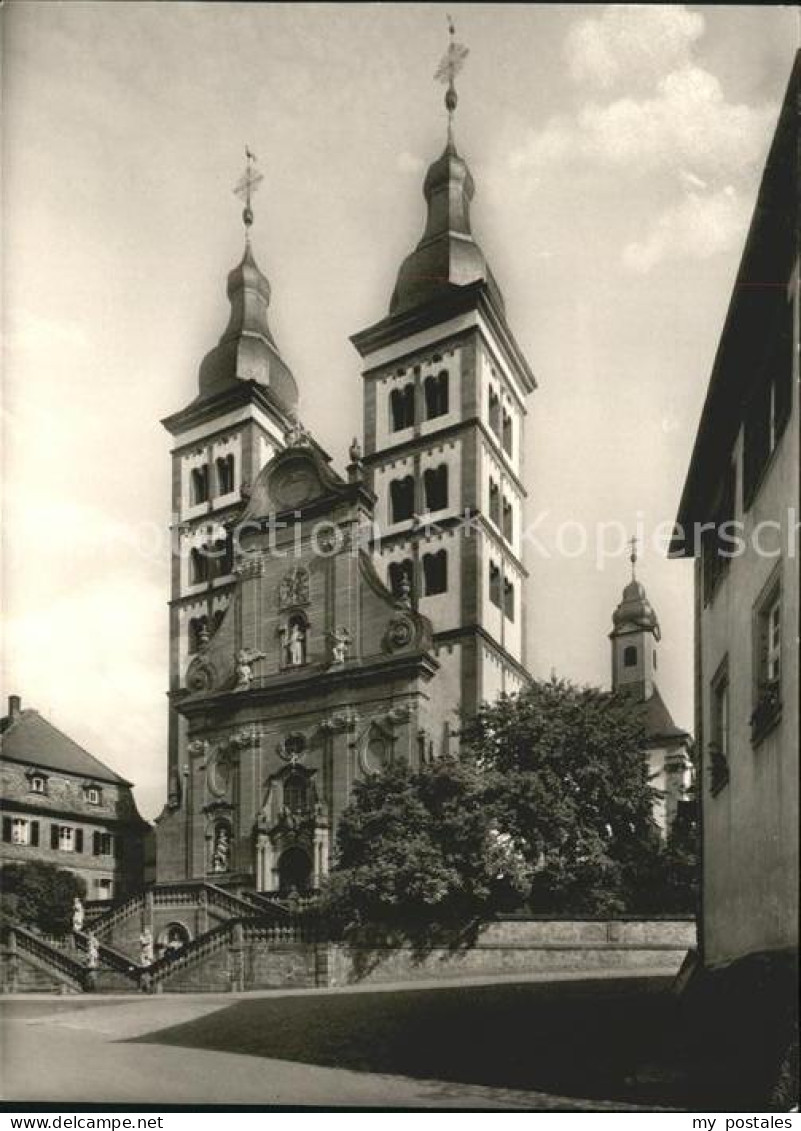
column 247, row 350
column 447, row 255
column 635, row 610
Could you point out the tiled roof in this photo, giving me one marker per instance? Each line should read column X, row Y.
column 659, row 721
column 30, row 738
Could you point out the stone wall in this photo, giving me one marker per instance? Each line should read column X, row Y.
column 526, row 947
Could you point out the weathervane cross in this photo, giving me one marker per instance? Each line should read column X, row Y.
column 247, row 185
column 449, row 66
column 632, row 542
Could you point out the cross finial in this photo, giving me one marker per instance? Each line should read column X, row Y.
column 246, row 186
column 450, row 65
column 632, row 542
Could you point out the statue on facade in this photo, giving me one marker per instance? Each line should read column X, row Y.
column 355, row 451
column 297, row 436
column 77, row 915
column 341, row 643
column 295, row 645
column 221, row 852
column 92, row 952
column 245, row 658
column 146, row 947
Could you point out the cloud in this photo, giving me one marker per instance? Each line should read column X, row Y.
column 698, row 227
column 687, row 122
column 409, row 162
column 631, row 42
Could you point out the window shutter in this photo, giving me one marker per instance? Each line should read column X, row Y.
column 54, row 836
column 79, row 840
column 95, row 844
column 7, row 829
column 34, row 834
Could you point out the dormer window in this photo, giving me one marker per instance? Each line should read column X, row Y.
column 37, row 781
column 93, row 794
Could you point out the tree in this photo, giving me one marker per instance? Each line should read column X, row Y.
column 40, row 895
column 420, row 858
column 565, row 775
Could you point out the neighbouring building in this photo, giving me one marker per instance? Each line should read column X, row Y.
column 635, row 639
column 738, row 518
column 295, row 668
column 63, row 806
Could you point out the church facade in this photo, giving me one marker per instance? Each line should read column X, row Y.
column 323, row 625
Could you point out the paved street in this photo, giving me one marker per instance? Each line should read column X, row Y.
column 76, row 1050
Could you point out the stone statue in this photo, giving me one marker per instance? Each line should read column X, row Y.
column 296, row 645
column 222, row 850
column 355, row 451
column 297, row 436
column 342, row 642
column 92, row 952
column 146, row 947
column 245, row 658
column 406, row 589
column 77, row 914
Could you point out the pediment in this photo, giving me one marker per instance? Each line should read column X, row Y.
column 294, row 479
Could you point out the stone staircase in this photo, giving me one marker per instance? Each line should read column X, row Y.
column 32, row 961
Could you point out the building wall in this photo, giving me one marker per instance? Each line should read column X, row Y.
column 750, row 827
column 106, row 874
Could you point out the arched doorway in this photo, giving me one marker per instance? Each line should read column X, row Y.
column 173, row 938
column 294, row 871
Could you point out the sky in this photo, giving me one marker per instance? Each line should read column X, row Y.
column 616, row 153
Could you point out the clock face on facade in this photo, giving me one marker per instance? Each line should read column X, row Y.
column 294, row 485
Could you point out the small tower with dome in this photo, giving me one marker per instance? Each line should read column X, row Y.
column 635, row 639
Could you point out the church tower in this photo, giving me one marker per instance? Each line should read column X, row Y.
column 246, row 402
column 635, row 637
column 445, row 392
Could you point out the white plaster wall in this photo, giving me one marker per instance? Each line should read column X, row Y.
column 751, row 825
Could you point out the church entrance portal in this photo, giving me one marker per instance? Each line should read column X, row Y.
column 294, row 871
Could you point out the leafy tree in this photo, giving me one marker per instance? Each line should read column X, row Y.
column 564, row 774
column 549, row 805
column 40, row 895
column 420, row 857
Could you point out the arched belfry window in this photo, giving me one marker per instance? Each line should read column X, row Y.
column 435, row 486
column 401, row 492
column 495, row 584
column 506, row 438
column 508, row 520
column 494, row 502
column 225, row 468
column 435, row 391
column 494, row 411
column 401, row 408
column 630, row 656
column 199, row 485
column 198, row 566
column 435, row 573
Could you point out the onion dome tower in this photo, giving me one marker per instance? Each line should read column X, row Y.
column 245, row 408
column 445, row 392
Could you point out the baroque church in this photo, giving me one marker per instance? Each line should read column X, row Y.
column 323, row 625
